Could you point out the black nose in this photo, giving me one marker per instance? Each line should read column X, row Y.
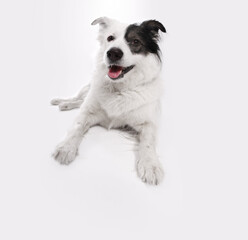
column 114, row 54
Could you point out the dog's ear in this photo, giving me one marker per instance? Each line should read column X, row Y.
column 153, row 26
column 102, row 21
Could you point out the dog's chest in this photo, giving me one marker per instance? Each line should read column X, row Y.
column 114, row 102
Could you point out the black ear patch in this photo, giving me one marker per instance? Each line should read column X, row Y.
column 154, row 26
column 143, row 38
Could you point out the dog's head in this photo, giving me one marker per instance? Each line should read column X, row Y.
column 129, row 50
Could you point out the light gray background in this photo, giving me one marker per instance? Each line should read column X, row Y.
column 47, row 50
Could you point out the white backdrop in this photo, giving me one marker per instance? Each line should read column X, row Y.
column 47, row 50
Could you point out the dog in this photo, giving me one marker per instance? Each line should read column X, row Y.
column 125, row 91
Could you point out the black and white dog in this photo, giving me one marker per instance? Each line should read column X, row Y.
column 124, row 91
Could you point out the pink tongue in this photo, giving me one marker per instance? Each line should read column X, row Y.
column 115, row 72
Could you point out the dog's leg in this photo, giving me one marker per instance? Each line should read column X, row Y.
column 57, row 101
column 148, row 167
column 64, row 106
column 74, row 102
column 66, row 151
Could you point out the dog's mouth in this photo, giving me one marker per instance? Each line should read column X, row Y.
column 115, row 72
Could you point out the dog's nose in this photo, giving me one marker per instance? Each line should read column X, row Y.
column 115, row 54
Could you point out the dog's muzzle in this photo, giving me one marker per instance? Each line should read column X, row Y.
column 116, row 71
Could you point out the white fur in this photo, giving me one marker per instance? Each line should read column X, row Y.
column 132, row 100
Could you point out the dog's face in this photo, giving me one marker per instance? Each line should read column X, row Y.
column 128, row 50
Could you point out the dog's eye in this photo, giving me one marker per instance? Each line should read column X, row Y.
column 110, row 38
column 135, row 42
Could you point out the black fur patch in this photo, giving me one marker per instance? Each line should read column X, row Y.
column 143, row 38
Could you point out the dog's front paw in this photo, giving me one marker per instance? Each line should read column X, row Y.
column 150, row 172
column 65, row 153
column 56, row 101
column 64, row 106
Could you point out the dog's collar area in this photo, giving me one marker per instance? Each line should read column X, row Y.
column 116, row 72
